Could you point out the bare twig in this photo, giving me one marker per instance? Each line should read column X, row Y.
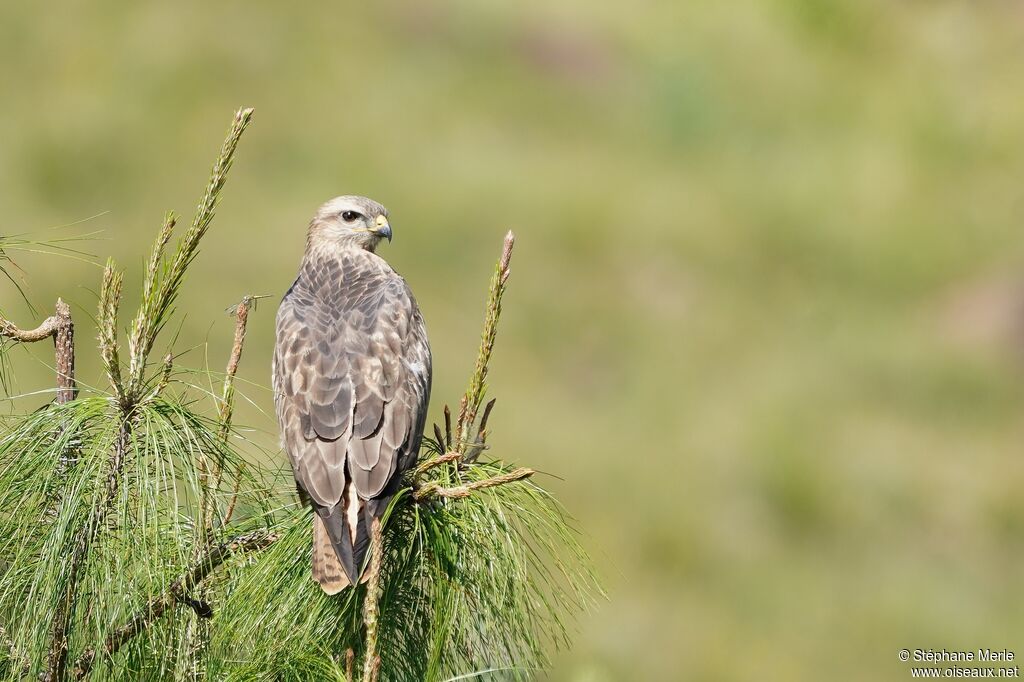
column 433, row 489
column 62, row 329
column 233, row 501
column 44, row 330
column 176, row 591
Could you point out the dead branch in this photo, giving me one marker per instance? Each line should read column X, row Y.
column 43, row 331
column 177, row 591
column 62, row 329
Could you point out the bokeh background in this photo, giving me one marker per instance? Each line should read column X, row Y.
column 767, row 310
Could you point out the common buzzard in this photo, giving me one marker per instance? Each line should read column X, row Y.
column 352, row 374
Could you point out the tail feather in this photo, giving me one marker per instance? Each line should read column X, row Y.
column 327, row 569
column 346, row 528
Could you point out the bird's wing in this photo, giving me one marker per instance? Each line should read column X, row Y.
column 351, row 376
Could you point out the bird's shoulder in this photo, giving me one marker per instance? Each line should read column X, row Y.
column 348, row 288
column 333, row 277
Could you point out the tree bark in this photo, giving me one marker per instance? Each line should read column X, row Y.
column 62, row 329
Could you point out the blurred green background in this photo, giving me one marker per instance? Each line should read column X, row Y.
column 767, row 306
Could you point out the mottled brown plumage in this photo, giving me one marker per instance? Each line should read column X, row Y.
column 352, row 374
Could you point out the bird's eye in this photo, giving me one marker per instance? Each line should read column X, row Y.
column 349, row 216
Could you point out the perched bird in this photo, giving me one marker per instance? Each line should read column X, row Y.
column 352, row 374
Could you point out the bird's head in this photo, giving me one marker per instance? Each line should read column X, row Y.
column 352, row 222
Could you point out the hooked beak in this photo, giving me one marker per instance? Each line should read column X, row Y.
column 383, row 228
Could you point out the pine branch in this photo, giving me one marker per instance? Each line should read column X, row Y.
column 473, row 584
column 470, row 403
column 433, row 489
column 164, row 286
column 227, row 400
column 160, row 290
column 110, row 299
column 110, row 295
column 177, row 591
column 60, row 627
column 434, row 462
column 227, row 404
column 141, row 333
